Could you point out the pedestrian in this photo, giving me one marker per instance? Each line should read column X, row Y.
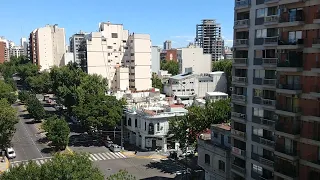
column 135, row 151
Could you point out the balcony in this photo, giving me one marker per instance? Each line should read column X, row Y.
column 311, row 160
column 241, row 43
column 288, row 110
column 289, row 89
column 316, row 19
column 270, row 1
column 286, row 171
column 262, row 160
column 238, row 116
column 269, row 62
column 283, row 131
column 240, row 4
column 239, row 98
column 240, row 62
column 265, row 121
column 264, row 102
column 269, row 20
column 238, row 169
column 291, row 44
column 238, row 152
column 263, row 141
column 270, row 41
column 289, row 21
column 265, row 82
column 316, row 43
column 287, row 153
column 244, row 23
column 282, row 2
column 239, row 80
column 315, row 91
column 257, row 176
column 238, row 134
column 293, row 65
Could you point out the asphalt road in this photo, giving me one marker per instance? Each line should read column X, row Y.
column 25, row 140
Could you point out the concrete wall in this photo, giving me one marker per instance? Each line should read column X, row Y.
column 44, row 48
column 155, row 59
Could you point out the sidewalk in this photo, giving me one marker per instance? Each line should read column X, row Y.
column 4, row 166
column 144, row 155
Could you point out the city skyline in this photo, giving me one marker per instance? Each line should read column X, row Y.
column 163, row 26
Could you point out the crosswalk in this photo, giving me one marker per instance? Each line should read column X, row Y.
column 92, row 157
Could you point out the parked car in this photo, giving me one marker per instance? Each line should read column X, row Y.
column 10, row 153
column 108, row 143
column 115, row 148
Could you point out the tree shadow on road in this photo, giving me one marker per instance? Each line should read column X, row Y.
column 47, row 150
column 84, row 140
column 157, row 178
column 165, row 166
column 25, row 116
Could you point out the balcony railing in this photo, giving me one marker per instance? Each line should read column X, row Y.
column 241, row 42
column 267, row 1
column 238, row 151
column 289, row 108
column 270, row 19
column 317, row 15
column 262, row 159
column 283, row 19
column 269, row 61
column 270, row 82
column 282, row 128
column 293, row 63
column 271, row 40
column 242, row 3
column 262, row 140
column 238, row 168
column 239, row 79
column 312, row 158
column 243, row 22
column 288, row 170
column 316, row 41
column 268, row 102
column 263, row 121
column 237, row 97
column 238, row 133
column 290, row 86
column 240, row 60
column 291, row 152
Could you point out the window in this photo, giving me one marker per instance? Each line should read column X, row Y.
column 259, row 73
column 132, row 54
column 215, row 135
column 257, row 150
column 229, row 140
column 129, row 122
column 207, row 159
column 257, row 131
column 257, row 92
column 124, row 41
column 109, row 47
column 261, row 33
column 261, row 12
column 135, row 123
column 258, row 112
column 114, row 35
column 257, row 169
column 294, row 36
column 145, row 126
column 158, row 126
column 222, row 166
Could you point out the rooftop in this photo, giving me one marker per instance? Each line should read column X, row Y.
column 182, row 76
column 217, row 94
column 223, row 126
column 216, row 72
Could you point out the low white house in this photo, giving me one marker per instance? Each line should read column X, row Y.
column 147, row 127
column 194, row 85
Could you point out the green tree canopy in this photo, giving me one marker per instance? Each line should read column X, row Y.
column 156, row 82
column 61, row 167
column 57, row 132
column 27, row 70
column 226, row 67
column 23, row 96
column 171, row 66
column 6, row 91
column 8, row 118
column 121, row 175
column 35, row 108
column 41, row 83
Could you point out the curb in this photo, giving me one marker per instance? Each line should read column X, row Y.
column 69, row 150
column 7, row 165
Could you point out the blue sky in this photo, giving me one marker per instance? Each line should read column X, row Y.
column 164, row 20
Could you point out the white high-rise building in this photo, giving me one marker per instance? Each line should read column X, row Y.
column 47, row 46
column 16, row 51
column 123, row 59
column 24, row 45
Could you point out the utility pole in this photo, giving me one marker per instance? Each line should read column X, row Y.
column 122, row 134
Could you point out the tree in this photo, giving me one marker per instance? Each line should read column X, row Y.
column 219, row 111
column 226, row 67
column 57, row 132
column 171, row 66
column 8, row 119
column 156, row 82
column 7, row 92
column 27, row 70
column 23, row 96
column 41, row 83
column 11, row 82
column 121, row 175
column 61, row 167
column 35, row 108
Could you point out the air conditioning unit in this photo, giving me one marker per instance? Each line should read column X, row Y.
column 243, row 115
column 231, row 88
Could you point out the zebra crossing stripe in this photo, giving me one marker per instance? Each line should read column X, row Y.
column 41, row 161
column 93, row 158
column 120, row 154
column 38, row 163
column 114, row 155
column 102, row 156
column 97, row 157
column 106, row 155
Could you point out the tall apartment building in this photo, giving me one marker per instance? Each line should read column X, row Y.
column 167, row 45
column 47, row 46
column 208, row 37
column 123, row 58
column 2, row 51
column 155, row 59
column 275, row 94
column 75, row 42
column 16, row 51
column 24, row 45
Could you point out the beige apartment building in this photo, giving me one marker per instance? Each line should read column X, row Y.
column 123, row 59
column 275, row 124
column 47, row 46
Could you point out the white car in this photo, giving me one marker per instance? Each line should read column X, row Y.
column 10, row 153
column 115, row 148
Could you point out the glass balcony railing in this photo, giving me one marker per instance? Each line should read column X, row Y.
column 291, row 63
column 271, row 19
column 262, row 160
column 238, row 79
column 271, row 40
column 262, row 140
column 286, row 169
column 242, row 3
column 284, row 19
column 288, row 108
column 290, row 86
column 238, row 151
column 238, row 133
column 241, row 42
column 240, row 61
column 292, row 130
column 263, row 121
column 289, row 151
column 243, row 22
column 316, row 41
column 269, row 61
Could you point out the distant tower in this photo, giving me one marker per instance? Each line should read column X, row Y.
column 167, row 45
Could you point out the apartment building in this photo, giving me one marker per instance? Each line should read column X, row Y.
column 3, row 49
column 167, row 45
column 155, row 59
column 75, row 42
column 16, row 51
column 112, row 52
column 47, row 46
column 276, row 114
column 24, row 45
column 208, row 37
column 214, row 152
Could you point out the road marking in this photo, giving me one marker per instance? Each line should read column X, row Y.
column 105, row 154
column 97, row 157
column 114, row 155
column 38, row 163
column 120, row 154
column 41, row 161
column 102, row 156
column 94, row 158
